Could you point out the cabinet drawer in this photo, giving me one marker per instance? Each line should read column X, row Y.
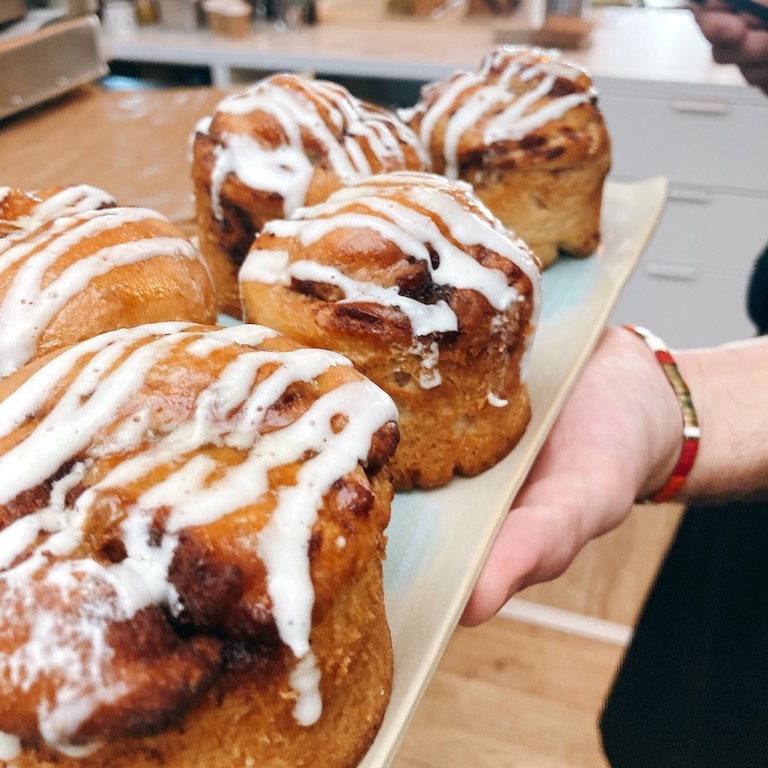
column 707, row 309
column 690, row 285
column 709, row 142
column 709, row 230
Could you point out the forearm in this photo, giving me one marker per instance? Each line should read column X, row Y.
column 729, row 388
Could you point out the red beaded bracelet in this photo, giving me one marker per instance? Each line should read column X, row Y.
column 691, row 432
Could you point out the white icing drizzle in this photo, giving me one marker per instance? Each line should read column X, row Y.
column 10, row 746
column 429, row 355
column 77, row 752
column 524, row 112
column 283, row 543
column 514, row 123
column 285, row 171
column 72, row 200
column 517, row 61
column 496, row 401
column 445, row 101
column 404, row 223
column 305, row 680
column 341, row 125
column 30, row 303
column 424, row 318
column 66, row 202
column 71, row 646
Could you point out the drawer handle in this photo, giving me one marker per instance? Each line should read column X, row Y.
column 701, row 107
column 672, row 271
column 689, row 196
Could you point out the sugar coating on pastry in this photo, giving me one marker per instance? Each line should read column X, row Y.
column 526, row 131
column 285, row 142
column 410, row 276
column 191, row 536
column 74, row 264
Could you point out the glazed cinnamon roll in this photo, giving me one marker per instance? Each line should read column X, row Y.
column 191, row 537
column 283, row 143
column 74, row 264
column 411, row 277
column 526, row 132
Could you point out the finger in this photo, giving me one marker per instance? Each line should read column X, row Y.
column 525, row 551
column 724, row 29
column 552, row 521
column 757, row 75
column 751, row 55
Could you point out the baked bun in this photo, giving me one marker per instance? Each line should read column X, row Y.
column 526, row 132
column 283, row 143
column 73, row 264
column 411, row 277
column 191, row 537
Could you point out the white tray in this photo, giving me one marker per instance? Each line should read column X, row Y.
column 439, row 539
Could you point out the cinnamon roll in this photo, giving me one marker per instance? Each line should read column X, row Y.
column 526, row 132
column 191, row 537
column 74, row 264
column 410, row 276
column 283, row 143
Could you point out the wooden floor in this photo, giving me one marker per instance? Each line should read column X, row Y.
column 511, row 694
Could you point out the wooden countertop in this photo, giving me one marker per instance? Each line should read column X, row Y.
column 133, row 144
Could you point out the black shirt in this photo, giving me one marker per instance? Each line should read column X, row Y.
column 757, row 295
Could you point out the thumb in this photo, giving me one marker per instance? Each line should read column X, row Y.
column 524, row 552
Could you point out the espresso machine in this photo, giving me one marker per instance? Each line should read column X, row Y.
column 46, row 49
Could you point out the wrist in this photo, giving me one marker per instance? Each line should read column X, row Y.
column 673, row 434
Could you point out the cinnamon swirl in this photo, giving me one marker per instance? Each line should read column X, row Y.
column 410, row 276
column 191, row 536
column 283, row 143
column 74, row 264
column 526, row 132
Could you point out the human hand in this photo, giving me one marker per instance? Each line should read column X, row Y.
column 617, row 438
column 736, row 38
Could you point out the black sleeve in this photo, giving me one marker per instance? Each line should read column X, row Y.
column 757, row 294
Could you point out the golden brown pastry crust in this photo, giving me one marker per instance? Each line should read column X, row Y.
column 210, row 681
column 245, row 719
column 73, row 264
column 285, row 142
column 462, row 403
column 526, row 132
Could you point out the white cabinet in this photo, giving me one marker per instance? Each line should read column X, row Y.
column 690, row 285
column 689, row 136
column 710, row 143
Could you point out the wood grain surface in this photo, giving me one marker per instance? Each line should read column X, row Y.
column 509, row 695
column 133, row 144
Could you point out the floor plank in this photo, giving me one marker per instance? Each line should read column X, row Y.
column 510, row 694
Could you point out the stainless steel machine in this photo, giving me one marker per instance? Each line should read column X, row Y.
column 46, row 51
